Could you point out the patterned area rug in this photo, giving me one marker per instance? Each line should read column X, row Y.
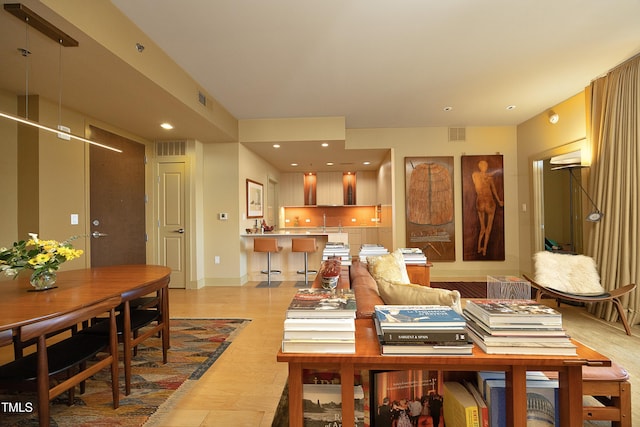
column 195, row 346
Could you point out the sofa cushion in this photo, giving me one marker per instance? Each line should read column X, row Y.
column 573, row 274
column 411, row 294
column 389, row 267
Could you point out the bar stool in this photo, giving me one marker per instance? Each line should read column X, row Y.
column 307, row 246
column 268, row 245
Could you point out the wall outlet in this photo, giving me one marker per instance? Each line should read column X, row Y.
column 216, row 259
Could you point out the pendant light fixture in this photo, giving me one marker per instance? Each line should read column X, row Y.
column 34, row 20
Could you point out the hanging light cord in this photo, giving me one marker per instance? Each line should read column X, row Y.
column 26, row 54
column 60, row 84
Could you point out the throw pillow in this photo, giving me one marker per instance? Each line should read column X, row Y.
column 411, row 294
column 390, row 267
column 573, row 274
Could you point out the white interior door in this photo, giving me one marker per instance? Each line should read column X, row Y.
column 171, row 221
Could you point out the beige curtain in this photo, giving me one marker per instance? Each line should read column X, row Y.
column 614, row 182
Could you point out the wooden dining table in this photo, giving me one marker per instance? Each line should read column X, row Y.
column 20, row 304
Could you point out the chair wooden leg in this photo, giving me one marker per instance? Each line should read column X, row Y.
column 623, row 317
column 43, row 383
column 126, row 337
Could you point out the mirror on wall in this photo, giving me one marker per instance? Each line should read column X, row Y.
column 557, row 200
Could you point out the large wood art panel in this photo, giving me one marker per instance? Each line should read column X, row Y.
column 429, row 206
column 482, row 208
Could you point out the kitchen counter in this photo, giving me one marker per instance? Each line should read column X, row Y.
column 286, row 261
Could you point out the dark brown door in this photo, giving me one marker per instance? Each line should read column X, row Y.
column 117, row 201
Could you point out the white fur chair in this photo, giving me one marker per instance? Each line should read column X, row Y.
column 575, row 278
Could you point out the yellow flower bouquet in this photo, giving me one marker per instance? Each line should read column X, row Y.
column 42, row 256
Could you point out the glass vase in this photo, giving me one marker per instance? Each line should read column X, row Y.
column 42, row 280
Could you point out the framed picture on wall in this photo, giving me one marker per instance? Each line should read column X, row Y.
column 255, row 197
column 430, row 212
column 482, row 208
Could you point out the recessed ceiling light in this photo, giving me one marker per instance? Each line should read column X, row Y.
column 329, row 163
column 511, row 107
column 325, row 144
column 294, row 164
column 276, row 145
column 448, row 108
column 166, row 126
column 366, row 163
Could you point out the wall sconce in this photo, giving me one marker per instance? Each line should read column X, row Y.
column 553, row 117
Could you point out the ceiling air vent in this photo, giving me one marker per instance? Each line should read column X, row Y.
column 457, row 134
column 170, row 148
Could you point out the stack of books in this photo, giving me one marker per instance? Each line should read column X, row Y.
column 337, row 250
column 421, row 330
column 320, row 321
column 413, row 256
column 517, row 327
column 371, row 249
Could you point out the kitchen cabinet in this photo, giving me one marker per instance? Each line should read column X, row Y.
column 366, row 188
column 329, row 188
column 291, row 191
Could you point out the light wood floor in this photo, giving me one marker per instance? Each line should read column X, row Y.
column 244, row 386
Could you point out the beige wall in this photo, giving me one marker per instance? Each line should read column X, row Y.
column 59, row 187
column 417, row 142
column 539, row 139
column 227, row 166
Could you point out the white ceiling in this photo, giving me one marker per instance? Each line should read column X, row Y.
column 378, row 63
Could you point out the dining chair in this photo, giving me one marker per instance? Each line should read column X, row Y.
column 66, row 359
column 142, row 315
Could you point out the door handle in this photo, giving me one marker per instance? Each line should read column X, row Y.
column 97, row 234
column 179, row 230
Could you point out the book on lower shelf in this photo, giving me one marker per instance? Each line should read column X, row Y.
column 418, row 316
column 460, row 408
column 322, row 303
column 322, row 405
column 483, row 376
column 406, row 395
column 542, row 402
column 483, row 408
